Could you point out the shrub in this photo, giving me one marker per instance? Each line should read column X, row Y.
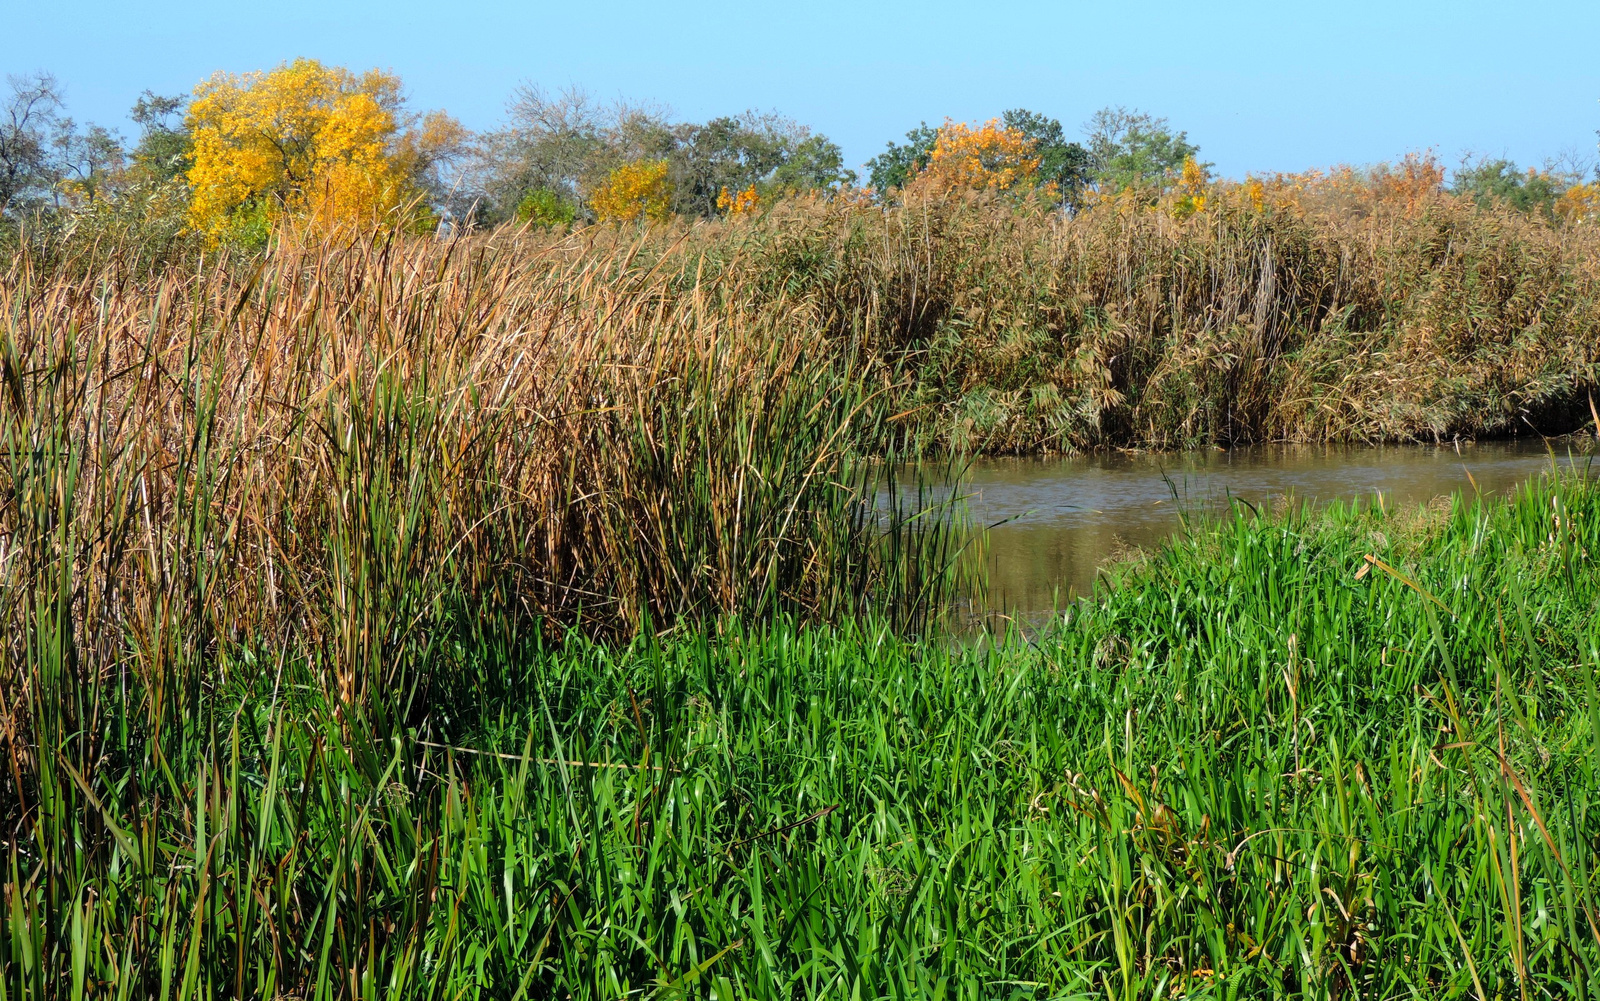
column 545, row 209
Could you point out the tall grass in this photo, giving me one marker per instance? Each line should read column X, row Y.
column 351, row 480
column 1317, row 311
column 514, row 617
column 1326, row 756
column 1342, row 308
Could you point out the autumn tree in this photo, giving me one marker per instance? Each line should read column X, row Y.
column 312, row 141
column 635, row 191
column 1578, row 204
column 1064, row 166
column 1189, row 194
column 738, row 203
column 990, row 157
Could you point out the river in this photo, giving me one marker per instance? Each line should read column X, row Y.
column 1057, row 521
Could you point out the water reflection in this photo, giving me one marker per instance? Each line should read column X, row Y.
column 1066, row 517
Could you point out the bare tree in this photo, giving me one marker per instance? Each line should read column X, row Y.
column 561, row 143
column 29, row 121
column 45, row 156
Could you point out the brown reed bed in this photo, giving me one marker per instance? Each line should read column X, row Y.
column 1331, row 309
column 395, row 450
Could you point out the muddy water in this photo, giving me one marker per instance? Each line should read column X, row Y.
column 1065, row 518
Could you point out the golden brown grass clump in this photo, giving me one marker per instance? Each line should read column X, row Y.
column 1340, row 308
column 396, row 453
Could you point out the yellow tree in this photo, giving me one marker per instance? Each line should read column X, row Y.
column 1190, row 195
column 739, row 202
column 307, row 140
column 1579, row 203
column 987, row 158
column 634, row 191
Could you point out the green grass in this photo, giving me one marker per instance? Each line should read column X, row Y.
column 1262, row 765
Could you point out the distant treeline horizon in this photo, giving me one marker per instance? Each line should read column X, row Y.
column 310, row 140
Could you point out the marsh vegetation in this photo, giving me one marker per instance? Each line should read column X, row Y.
column 511, row 612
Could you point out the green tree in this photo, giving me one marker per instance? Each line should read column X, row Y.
column 47, row 161
column 568, row 146
column 724, row 153
column 1067, row 165
column 897, row 164
column 761, row 150
column 1131, row 149
column 1488, row 182
column 562, row 143
column 546, row 209
column 163, row 150
column 30, row 117
column 816, row 163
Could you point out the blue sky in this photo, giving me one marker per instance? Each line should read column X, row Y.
column 1260, row 86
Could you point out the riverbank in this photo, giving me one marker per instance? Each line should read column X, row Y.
column 1333, row 753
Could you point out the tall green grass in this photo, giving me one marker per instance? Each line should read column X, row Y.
column 1327, row 755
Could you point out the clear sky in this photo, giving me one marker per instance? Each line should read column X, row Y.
column 1260, row 86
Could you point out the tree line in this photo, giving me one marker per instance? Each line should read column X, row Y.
column 309, row 141
column 318, row 141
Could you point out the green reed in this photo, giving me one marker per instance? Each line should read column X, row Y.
column 1336, row 754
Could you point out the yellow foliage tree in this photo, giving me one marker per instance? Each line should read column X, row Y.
column 987, row 158
column 634, row 191
column 1579, row 203
column 739, row 202
column 1256, row 193
column 307, row 140
column 1190, row 195
column 1410, row 184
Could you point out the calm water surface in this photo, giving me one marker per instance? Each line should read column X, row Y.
column 1064, row 518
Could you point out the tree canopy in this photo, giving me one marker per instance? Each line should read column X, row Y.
column 308, row 140
column 571, row 148
column 987, row 158
column 1067, row 165
column 1130, row 149
column 1488, row 181
column 45, row 157
column 899, row 162
column 1125, row 149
